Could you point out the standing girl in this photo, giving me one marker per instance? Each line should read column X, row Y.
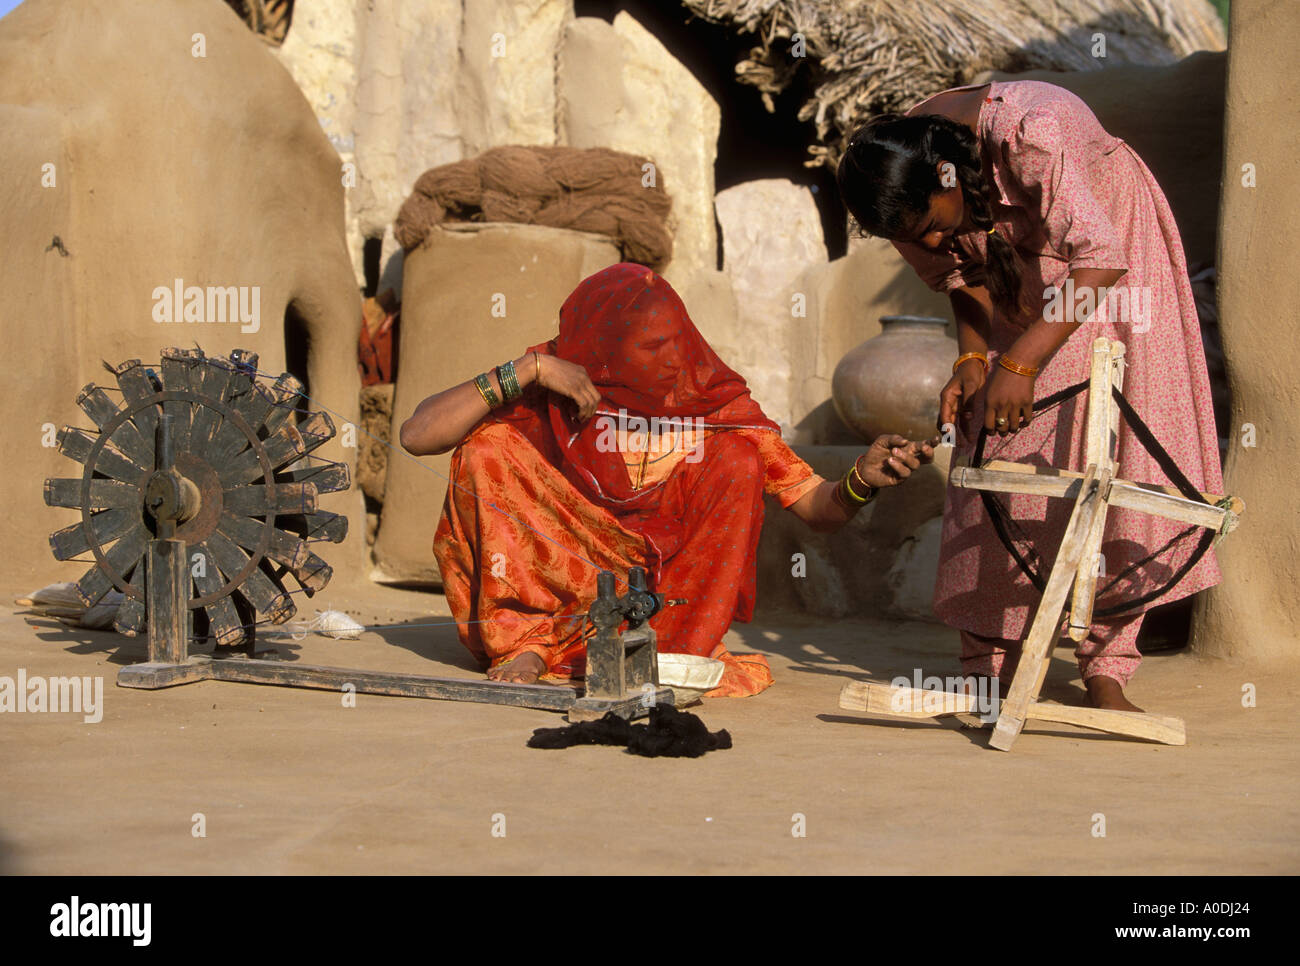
column 1014, row 200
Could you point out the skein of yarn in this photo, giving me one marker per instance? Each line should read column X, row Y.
column 669, row 734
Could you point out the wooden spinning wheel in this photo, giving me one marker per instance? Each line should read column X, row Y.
column 204, row 455
column 197, row 501
column 1069, row 591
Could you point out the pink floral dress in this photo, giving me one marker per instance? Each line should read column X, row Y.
column 1068, row 195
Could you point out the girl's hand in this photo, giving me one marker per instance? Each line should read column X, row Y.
column 891, row 459
column 961, row 388
column 571, row 380
column 1010, row 398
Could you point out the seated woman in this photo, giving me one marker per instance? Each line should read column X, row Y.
column 542, row 496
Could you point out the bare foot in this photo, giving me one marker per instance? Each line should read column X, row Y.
column 1107, row 694
column 525, row 669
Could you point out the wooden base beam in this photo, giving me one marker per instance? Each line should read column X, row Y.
column 874, row 697
column 544, row 697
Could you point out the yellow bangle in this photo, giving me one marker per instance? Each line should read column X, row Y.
column 1016, row 367
column 966, row 356
column 537, row 361
column 847, row 487
column 858, row 476
column 853, row 494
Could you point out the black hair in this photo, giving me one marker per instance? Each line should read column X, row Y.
column 890, row 172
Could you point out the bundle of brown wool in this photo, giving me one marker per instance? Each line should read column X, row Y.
column 584, row 189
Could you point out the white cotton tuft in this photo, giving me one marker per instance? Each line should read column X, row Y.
column 336, row 624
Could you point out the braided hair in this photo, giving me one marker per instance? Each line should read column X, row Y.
column 890, row 172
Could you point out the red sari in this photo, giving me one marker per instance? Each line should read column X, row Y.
column 539, row 503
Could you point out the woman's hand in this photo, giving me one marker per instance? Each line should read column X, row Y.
column 892, row 458
column 1009, row 402
column 571, row 380
column 960, row 390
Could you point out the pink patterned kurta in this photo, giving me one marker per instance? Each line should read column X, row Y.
column 1068, row 196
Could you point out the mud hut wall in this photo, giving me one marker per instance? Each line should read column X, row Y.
column 231, row 191
column 1252, row 613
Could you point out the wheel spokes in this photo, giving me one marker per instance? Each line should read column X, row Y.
column 250, row 438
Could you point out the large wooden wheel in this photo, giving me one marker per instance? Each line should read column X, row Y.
column 237, row 446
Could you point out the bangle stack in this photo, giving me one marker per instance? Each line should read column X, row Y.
column 509, row 381
column 847, row 495
column 1017, row 368
column 966, row 357
column 485, row 390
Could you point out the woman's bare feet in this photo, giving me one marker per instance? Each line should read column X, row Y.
column 1107, row 694
column 525, row 669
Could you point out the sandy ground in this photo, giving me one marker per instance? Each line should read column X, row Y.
column 291, row 781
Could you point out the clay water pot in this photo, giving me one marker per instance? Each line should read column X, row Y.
column 891, row 382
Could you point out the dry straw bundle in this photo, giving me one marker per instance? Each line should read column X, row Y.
column 865, row 57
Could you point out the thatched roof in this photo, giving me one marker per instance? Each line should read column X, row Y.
column 864, row 57
column 269, row 19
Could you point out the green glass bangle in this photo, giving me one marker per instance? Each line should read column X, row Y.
column 485, row 390
column 509, row 381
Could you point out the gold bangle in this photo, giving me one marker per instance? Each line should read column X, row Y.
column 966, row 356
column 1017, row 368
column 537, row 361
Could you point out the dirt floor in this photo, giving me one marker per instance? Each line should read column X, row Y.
column 291, row 781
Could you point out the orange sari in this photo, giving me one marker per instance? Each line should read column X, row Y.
column 539, row 503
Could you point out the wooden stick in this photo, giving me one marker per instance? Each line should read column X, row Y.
column 876, row 697
column 1134, row 724
column 168, row 590
column 1037, row 647
column 1135, row 496
column 1062, row 481
column 999, row 477
column 1163, row 501
column 1101, row 446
